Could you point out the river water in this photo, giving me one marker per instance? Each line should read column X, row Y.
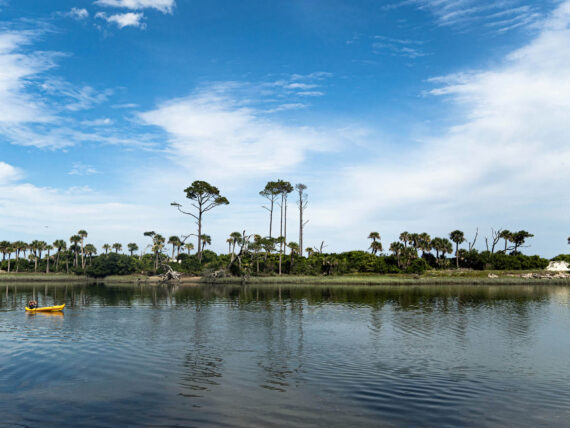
column 288, row 356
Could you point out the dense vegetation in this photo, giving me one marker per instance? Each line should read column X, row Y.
column 253, row 254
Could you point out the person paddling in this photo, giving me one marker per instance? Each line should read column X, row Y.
column 32, row 304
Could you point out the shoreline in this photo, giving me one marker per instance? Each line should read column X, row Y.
column 439, row 278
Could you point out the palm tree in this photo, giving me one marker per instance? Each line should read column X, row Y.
column 229, row 241
column 48, row 249
column 106, row 247
column 294, row 247
column 37, row 247
column 458, row 237
column 132, row 247
column 60, row 245
column 414, row 240
column 18, row 247
column 189, row 247
column 175, row 242
column 424, row 243
column 42, row 245
column 408, row 255
column 117, row 247
column 158, row 244
column 75, row 239
column 309, row 251
column 397, row 248
column 375, row 246
column 90, row 251
column 436, row 244
column 33, row 251
column 32, row 256
column 4, row 248
column 446, row 247
column 405, row 237
column 83, row 234
column 206, row 239
column 10, row 249
column 235, row 237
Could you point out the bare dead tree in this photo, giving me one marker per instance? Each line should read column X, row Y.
column 302, row 203
column 320, row 249
column 472, row 244
column 170, row 273
column 495, row 236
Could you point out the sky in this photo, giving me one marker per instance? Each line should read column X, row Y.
column 416, row 115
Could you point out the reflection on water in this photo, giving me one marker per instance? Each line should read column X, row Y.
column 302, row 355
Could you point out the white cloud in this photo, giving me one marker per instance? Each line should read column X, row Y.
column 215, row 134
column 16, row 69
column 8, row 173
column 122, row 20
column 165, row 6
column 507, row 160
column 77, row 13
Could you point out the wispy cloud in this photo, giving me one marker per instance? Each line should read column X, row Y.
column 79, row 168
column 501, row 16
column 75, row 98
column 98, row 122
column 302, row 85
column 126, row 106
column 16, row 71
column 398, row 47
column 287, row 107
column 122, row 20
column 164, row 6
column 37, row 111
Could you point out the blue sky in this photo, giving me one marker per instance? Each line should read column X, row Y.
column 418, row 115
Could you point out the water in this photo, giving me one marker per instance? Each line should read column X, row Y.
column 289, row 356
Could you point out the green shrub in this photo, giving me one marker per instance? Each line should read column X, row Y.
column 418, row 266
column 111, row 264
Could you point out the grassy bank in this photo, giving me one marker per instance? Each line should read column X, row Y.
column 465, row 277
column 436, row 278
column 41, row 277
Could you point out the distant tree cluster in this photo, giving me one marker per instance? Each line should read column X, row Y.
column 255, row 254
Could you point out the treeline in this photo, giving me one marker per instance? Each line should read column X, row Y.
column 251, row 256
column 254, row 254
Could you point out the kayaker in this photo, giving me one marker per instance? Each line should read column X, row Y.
column 32, row 304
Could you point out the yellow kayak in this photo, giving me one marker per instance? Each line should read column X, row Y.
column 47, row 309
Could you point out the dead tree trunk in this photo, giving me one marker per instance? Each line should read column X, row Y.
column 302, row 203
